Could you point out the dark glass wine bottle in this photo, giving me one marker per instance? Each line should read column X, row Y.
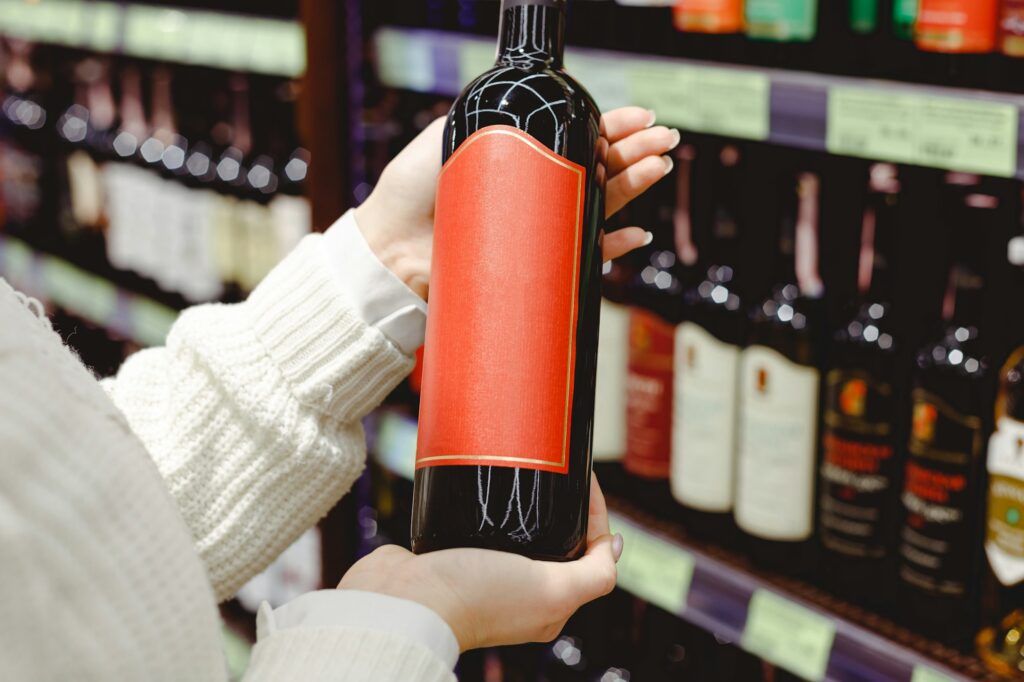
column 960, row 37
column 860, row 416
column 779, row 393
column 708, row 345
column 506, row 415
column 941, row 501
column 710, row 30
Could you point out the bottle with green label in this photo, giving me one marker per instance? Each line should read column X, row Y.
column 782, row 20
column 999, row 643
column 938, row 551
column 864, row 16
column 904, row 14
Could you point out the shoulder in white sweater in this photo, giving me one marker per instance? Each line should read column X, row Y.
column 125, row 516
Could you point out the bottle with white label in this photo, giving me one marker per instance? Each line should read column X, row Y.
column 779, row 385
column 612, row 372
column 707, row 351
column 1003, row 596
column 938, row 549
column 859, row 471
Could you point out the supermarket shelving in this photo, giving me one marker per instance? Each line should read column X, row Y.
column 785, row 621
column 963, row 130
column 95, row 299
column 215, row 39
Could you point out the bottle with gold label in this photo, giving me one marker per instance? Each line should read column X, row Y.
column 779, row 386
column 860, row 417
column 941, row 500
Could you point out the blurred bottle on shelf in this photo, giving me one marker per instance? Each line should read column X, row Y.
column 781, row 32
column 707, row 351
column 961, row 34
column 999, row 643
column 938, row 547
column 644, row 26
column 859, row 470
column 710, row 29
column 612, row 376
column 779, row 392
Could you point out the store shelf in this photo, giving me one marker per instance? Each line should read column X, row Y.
column 964, row 130
column 95, row 299
column 216, row 39
column 784, row 621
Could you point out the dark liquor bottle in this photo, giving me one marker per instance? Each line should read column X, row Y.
column 779, row 393
column 708, row 345
column 960, row 35
column 1011, row 43
column 645, row 26
column 656, row 295
column 999, row 644
column 860, row 416
column 938, row 544
column 506, row 415
column 710, row 29
column 782, row 32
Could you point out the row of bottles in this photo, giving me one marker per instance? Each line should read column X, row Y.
column 181, row 182
column 971, row 43
column 828, row 414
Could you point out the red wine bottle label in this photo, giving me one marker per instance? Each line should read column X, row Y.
column 858, row 453
column 778, row 446
column 709, row 16
column 957, row 26
column 1004, row 529
column 935, row 543
column 649, row 395
column 704, row 424
column 500, row 352
column 1012, row 28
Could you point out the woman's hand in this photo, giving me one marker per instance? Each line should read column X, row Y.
column 397, row 219
column 493, row 598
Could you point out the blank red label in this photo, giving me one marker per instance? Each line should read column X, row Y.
column 500, row 352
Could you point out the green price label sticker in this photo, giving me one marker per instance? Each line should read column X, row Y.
column 665, row 88
column 605, row 78
column 475, row 57
column 653, row 569
column 276, row 47
column 926, row 674
column 151, row 321
column 788, row 635
column 731, row 102
column 93, row 298
column 17, row 264
column 941, row 132
column 103, row 26
column 396, row 444
column 405, row 61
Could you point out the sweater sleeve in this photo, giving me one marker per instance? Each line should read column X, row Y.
column 252, row 411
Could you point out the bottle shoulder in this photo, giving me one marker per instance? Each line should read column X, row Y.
column 528, row 90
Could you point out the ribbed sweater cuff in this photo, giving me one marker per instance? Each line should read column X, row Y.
column 341, row 654
column 332, row 359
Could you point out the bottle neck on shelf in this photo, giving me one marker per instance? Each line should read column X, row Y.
column 532, row 32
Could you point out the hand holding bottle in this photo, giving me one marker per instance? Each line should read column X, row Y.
column 397, row 219
column 491, row 598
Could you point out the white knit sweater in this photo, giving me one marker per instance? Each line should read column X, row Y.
column 126, row 515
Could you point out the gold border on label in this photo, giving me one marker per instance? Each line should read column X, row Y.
column 529, row 141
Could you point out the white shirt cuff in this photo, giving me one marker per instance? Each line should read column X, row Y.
column 380, row 298
column 364, row 611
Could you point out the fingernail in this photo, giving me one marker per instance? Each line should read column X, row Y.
column 617, row 544
column 649, row 239
column 653, row 119
column 669, row 164
column 676, row 137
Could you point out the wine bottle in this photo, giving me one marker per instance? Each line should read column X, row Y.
column 941, row 500
column 710, row 29
column 1003, row 595
column 779, row 393
column 860, row 417
column 960, row 34
column 612, row 373
column 707, row 352
column 644, row 26
column 506, row 415
column 781, row 32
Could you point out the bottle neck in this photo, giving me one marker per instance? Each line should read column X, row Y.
column 882, row 250
column 532, row 32
column 967, row 296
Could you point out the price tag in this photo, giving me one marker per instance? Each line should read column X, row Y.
column 872, row 124
column 788, row 635
column 103, row 26
column 967, row 135
column 93, row 298
column 475, row 57
column 731, row 102
column 150, row 321
column 396, row 444
column 925, row 674
column 405, row 60
column 605, row 78
column 17, row 264
column 654, row 570
column 941, row 132
column 665, row 88
column 277, row 47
